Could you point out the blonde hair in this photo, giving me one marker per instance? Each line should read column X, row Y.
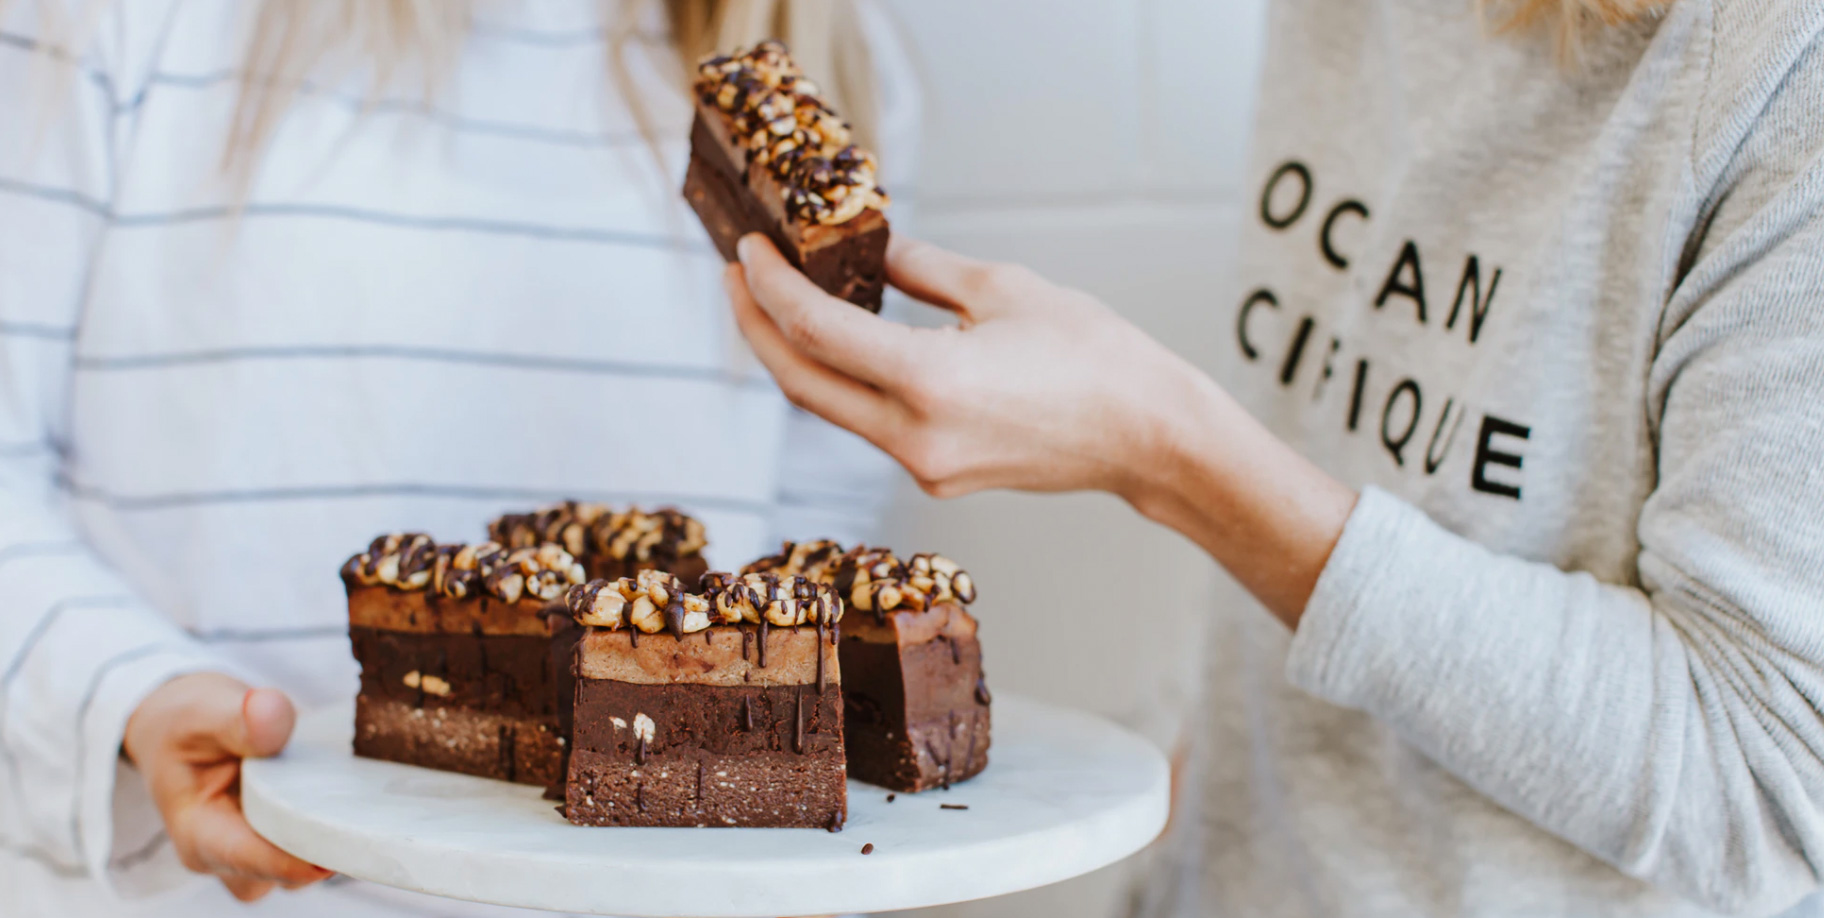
column 420, row 40
column 1569, row 22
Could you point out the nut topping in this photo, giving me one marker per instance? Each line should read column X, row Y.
column 872, row 579
column 654, row 602
column 786, row 128
column 412, row 561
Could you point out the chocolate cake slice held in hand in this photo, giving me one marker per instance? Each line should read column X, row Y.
column 767, row 155
column 916, row 704
column 454, row 643
column 721, row 707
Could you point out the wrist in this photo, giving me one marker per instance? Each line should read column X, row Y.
column 1257, row 506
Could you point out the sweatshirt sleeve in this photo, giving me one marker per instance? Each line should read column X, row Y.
column 1671, row 728
column 78, row 648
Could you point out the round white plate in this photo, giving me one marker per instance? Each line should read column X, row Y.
column 1064, row 793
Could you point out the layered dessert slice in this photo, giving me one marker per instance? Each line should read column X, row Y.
column 916, row 705
column 611, row 544
column 455, row 647
column 767, row 155
column 720, row 707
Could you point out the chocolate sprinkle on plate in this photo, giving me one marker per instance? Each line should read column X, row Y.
column 867, row 848
column 952, row 806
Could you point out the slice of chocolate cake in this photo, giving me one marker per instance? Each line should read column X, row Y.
column 455, row 647
column 611, row 543
column 916, row 703
column 767, row 155
column 715, row 708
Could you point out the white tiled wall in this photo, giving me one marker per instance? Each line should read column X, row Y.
column 1101, row 142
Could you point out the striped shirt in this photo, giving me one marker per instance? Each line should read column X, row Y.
column 424, row 313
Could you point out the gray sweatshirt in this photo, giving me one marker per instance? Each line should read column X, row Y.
column 1565, row 329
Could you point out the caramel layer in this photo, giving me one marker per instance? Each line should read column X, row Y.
column 946, row 619
column 430, row 612
column 720, row 655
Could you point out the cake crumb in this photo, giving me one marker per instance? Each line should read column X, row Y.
column 867, row 848
column 890, row 797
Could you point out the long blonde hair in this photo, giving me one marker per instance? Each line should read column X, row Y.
column 421, row 39
column 1568, row 21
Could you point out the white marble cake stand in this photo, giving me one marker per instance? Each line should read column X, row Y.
column 1064, row 794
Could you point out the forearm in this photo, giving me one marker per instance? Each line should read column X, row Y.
column 1210, row 471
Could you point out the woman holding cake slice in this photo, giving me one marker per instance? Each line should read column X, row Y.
column 278, row 276
column 1517, row 451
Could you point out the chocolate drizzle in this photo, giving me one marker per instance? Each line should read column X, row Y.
column 817, row 648
column 639, row 754
column 747, row 713
column 982, row 696
column 798, row 723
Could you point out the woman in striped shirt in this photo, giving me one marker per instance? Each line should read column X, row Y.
column 440, row 274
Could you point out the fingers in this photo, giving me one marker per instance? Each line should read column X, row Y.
column 810, row 385
column 267, row 717
column 247, row 890
column 940, row 277
column 831, row 331
column 221, row 842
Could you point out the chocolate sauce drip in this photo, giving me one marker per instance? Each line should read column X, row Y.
column 633, row 637
column 817, row 648
column 747, row 714
column 982, row 697
column 505, row 751
column 763, row 630
column 798, row 724
column 639, row 755
column 835, row 633
column 956, row 650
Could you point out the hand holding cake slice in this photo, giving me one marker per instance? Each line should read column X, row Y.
column 719, row 707
column 768, row 155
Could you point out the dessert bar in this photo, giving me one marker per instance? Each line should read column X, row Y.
column 455, row 647
column 610, row 544
column 916, row 704
column 721, row 707
column 767, row 155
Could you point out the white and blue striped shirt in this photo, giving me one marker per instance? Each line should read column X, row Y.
column 424, row 314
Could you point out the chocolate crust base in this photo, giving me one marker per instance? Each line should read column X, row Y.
column 714, row 755
column 525, row 750
column 491, row 711
column 848, row 260
column 916, row 708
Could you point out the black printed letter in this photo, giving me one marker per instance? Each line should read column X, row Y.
column 1478, row 307
column 1328, row 245
column 1486, row 456
column 1304, row 195
column 1241, row 321
column 1397, row 445
column 1413, row 290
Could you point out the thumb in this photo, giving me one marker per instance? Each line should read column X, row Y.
column 258, row 725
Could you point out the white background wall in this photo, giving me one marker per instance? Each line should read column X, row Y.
column 1101, row 142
